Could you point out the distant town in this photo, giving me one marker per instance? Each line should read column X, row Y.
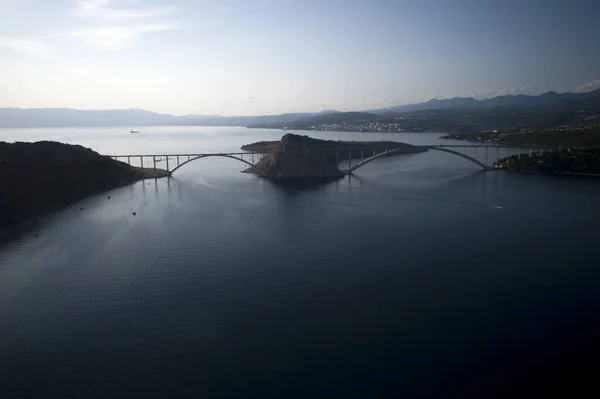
column 366, row 126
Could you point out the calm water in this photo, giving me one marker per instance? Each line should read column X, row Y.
column 418, row 276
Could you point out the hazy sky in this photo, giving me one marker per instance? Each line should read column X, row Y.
column 247, row 57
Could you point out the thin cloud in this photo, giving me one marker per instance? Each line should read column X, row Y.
column 117, row 37
column 513, row 91
column 103, row 9
column 27, row 46
column 481, row 94
column 591, row 86
column 120, row 24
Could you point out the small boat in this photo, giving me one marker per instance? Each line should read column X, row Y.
column 134, row 131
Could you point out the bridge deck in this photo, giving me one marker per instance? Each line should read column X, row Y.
column 334, row 149
column 368, row 154
column 186, row 154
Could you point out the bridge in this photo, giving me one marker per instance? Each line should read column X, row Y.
column 483, row 156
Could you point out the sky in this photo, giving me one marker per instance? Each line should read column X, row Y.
column 254, row 57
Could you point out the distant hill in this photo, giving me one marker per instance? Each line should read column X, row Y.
column 66, row 117
column 501, row 111
column 550, row 100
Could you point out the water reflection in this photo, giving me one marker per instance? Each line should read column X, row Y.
column 292, row 187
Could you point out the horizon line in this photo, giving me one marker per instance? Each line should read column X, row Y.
column 297, row 112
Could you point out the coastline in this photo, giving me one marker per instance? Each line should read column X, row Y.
column 566, row 162
column 564, row 152
column 555, row 173
column 39, row 178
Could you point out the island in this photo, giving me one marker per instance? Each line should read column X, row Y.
column 37, row 178
column 297, row 157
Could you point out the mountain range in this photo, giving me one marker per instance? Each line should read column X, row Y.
column 66, row 117
column 548, row 100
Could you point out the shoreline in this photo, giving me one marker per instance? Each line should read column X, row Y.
column 40, row 178
column 566, row 162
column 550, row 173
column 21, row 228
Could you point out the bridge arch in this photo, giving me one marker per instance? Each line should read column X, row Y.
column 366, row 161
column 460, row 154
column 211, row 155
column 374, row 157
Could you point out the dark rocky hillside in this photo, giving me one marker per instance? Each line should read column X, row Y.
column 36, row 178
column 302, row 157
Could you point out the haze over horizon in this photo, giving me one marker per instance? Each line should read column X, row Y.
column 256, row 57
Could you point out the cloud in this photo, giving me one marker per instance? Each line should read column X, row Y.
column 102, row 9
column 117, row 37
column 591, row 86
column 513, row 91
column 481, row 94
column 23, row 45
column 116, row 24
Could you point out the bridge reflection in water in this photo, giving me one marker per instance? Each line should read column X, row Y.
column 482, row 155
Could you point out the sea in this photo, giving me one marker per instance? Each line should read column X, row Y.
column 418, row 276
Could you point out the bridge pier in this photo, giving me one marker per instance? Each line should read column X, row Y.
column 362, row 154
column 129, row 160
column 142, row 162
column 349, row 160
column 154, row 159
column 486, row 156
column 177, row 160
column 167, row 158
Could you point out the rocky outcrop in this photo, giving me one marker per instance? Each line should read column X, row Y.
column 359, row 149
column 303, row 157
column 36, row 178
column 297, row 157
column 261, row 146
